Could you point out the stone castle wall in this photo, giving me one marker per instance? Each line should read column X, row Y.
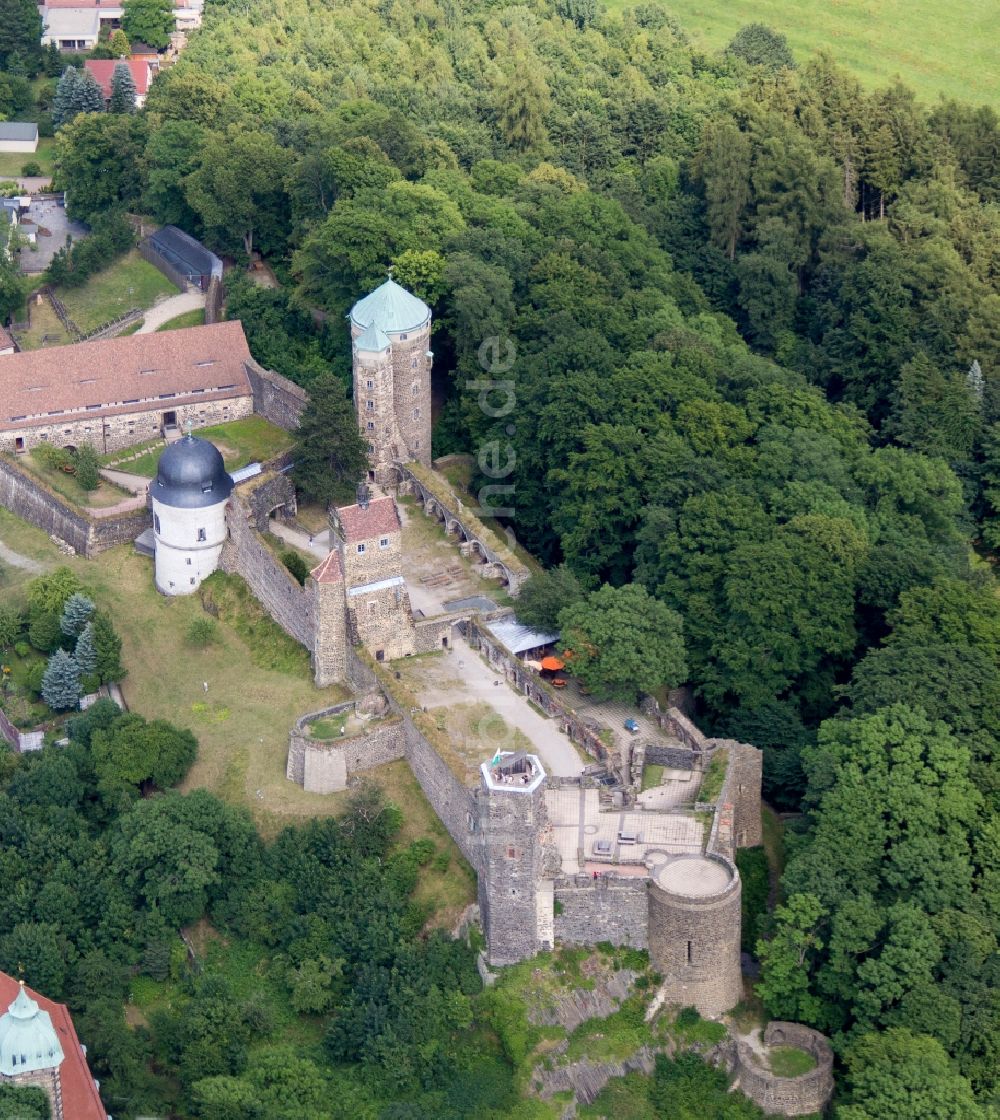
column 28, row 499
column 788, row 1096
column 275, row 397
column 325, row 767
column 373, row 401
column 411, row 370
column 244, row 554
column 612, row 908
column 117, row 433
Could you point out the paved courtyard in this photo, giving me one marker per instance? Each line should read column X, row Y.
column 49, row 215
column 577, row 823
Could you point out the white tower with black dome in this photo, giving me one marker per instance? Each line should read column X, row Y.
column 189, row 496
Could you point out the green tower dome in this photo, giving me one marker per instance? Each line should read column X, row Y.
column 28, row 1041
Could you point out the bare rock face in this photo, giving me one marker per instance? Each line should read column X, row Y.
column 371, row 706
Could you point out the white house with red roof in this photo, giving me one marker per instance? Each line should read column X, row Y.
column 103, row 71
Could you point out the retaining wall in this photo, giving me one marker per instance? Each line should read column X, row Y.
column 32, row 502
column 324, row 767
column 788, row 1096
column 612, row 908
column 272, row 584
column 275, row 397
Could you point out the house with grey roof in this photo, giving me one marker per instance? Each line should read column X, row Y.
column 18, row 136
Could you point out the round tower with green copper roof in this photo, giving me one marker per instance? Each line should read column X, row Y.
column 30, row 1051
column 391, row 334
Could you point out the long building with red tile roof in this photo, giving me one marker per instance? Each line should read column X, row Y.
column 118, row 392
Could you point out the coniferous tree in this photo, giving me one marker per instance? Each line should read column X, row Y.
column 61, row 682
column 118, row 44
column 85, row 652
column 123, row 92
column 108, row 646
column 90, row 97
column 76, row 614
column 331, row 456
column 65, row 103
column 20, row 43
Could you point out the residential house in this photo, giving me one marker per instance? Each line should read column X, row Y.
column 103, row 71
column 18, row 136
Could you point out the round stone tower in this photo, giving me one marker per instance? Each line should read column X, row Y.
column 391, row 333
column 694, row 931
column 30, row 1052
column 189, row 495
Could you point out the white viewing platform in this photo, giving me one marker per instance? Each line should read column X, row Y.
column 513, row 772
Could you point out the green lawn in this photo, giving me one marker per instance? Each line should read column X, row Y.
column 189, row 319
column 12, row 162
column 330, row 727
column 241, row 442
column 67, row 486
column 789, row 1061
column 935, row 46
column 129, row 282
column 652, row 775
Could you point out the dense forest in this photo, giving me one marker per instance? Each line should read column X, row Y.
column 744, row 322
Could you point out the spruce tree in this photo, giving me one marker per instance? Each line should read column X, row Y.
column 331, row 457
column 76, row 614
column 123, row 91
column 61, row 682
column 86, row 652
column 64, row 103
column 90, row 97
column 108, row 647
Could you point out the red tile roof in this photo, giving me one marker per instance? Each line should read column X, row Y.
column 104, row 68
column 122, row 375
column 329, row 571
column 364, row 524
column 81, row 1100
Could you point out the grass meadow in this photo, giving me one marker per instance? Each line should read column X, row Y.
column 935, row 46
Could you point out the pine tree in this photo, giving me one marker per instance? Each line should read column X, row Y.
column 108, row 647
column 331, row 457
column 123, row 92
column 76, row 614
column 64, row 103
column 90, row 98
column 86, row 652
column 61, row 682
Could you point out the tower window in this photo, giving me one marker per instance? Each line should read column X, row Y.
column 372, row 608
column 369, row 384
column 370, row 405
column 413, row 363
column 202, row 536
column 156, row 523
column 192, row 581
column 188, row 561
column 689, row 952
column 402, row 337
column 416, row 386
column 371, row 449
column 371, row 426
column 383, row 542
column 416, row 414
column 416, row 445
column 361, row 549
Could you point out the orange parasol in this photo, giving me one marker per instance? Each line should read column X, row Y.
column 552, row 664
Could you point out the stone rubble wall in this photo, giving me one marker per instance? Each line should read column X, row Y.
column 273, row 585
column 275, row 397
column 788, row 1096
column 28, row 499
column 612, row 908
column 325, row 767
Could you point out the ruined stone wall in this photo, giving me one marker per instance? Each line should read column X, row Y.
column 244, row 554
column 612, row 908
column 264, row 496
column 330, row 648
column 28, row 499
column 117, row 433
column 382, row 622
column 746, row 767
column 428, row 634
column 788, row 1096
column 676, row 758
column 275, row 397
column 455, row 805
column 325, row 767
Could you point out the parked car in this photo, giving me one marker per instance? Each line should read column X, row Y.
column 632, row 727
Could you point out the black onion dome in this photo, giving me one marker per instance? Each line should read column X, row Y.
column 191, row 475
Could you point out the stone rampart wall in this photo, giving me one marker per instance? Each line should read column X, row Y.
column 676, row 758
column 324, row 766
column 273, row 585
column 454, row 804
column 428, row 632
column 610, row 908
column 788, row 1096
column 275, row 397
column 28, row 499
column 262, row 497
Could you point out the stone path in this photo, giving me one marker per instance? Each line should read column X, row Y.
column 136, row 483
column 557, row 753
column 318, row 545
column 16, row 560
column 170, row 309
